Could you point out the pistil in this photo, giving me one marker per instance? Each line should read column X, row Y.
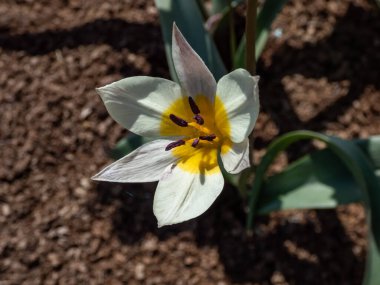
column 202, row 129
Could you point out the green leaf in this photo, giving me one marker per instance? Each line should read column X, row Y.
column 316, row 181
column 265, row 17
column 361, row 169
column 372, row 272
column 188, row 17
column 371, row 147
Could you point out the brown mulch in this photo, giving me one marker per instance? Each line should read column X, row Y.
column 57, row 227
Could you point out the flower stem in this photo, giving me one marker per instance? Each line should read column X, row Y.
column 250, row 34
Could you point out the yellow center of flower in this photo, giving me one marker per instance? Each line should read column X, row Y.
column 204, row 129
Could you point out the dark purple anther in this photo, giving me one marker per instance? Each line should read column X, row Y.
column 174, row 144
column 198, row 118
column 194, row 106
column 195, row 142
column 178, row 121
column 209, row 138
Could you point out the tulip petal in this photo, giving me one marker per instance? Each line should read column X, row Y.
column 145, row 164
column 182, row 195
column 236, row 158
column 192, row 72
column 138, row 103
column 239, row 93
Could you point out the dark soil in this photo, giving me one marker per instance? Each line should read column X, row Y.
column 58, row 227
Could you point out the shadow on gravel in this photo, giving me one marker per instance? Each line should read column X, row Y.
column 289, row 247
column 349, row 53
column 134, row 217
column 117, row 33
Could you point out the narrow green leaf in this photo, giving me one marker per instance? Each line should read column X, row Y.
column 372, row 272
column 187, row 16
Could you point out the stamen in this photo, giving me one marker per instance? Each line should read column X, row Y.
column 195, row 142
column 198, row 118
column 193, row 106
column 174, row 144
column 209, row 138
column 178, row 121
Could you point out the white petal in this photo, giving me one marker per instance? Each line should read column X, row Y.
column 137, row 103
column 192, row 72
column 181, row 195
column 237, row 158
column 145, row 164
column 239, row 92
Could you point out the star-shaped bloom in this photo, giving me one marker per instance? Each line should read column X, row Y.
column 198, row 124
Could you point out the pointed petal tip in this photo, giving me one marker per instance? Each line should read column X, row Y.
column 177, row 38
column 175, row 29
column 192, row 72
column 100, row 91
column 99, row 177
column 96, row 177
column 167, row 223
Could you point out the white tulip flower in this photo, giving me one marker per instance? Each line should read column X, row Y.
column 198, row 125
